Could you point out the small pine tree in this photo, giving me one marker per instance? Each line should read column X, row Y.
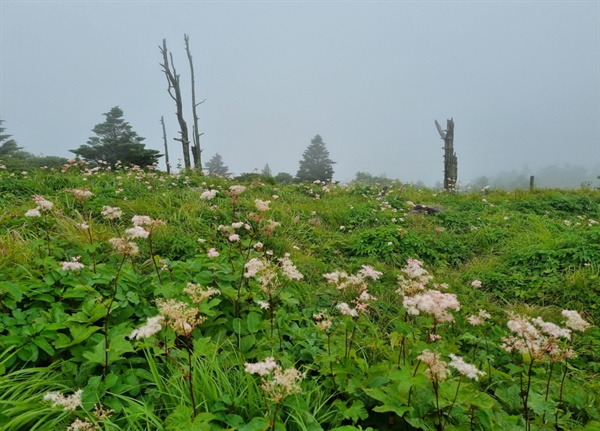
column 116, row 141
column 216, row 167
column 266, row 171
column 8, row 147
column 316, row 164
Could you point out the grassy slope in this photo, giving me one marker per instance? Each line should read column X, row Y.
column 532, row 250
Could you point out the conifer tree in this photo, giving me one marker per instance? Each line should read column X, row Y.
column 316, row 164
column 116, row 141
column 266, row 171
column 216, row 167
column 8, row 147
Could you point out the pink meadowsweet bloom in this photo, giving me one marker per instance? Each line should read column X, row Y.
column 111, row 213
column 212, row 253
column 335, row 277
column 33, row 213
column 346, row 310
column 368, row 272
column 253, row 266
column 551, row 329
column 82, row 425
column 74, row 265
column 123, row 246
column 432, row 302
column 152, row 326
column 479, row 318
column 237, row 224
column 264, row 305
column 536, row 338
column 262, row 368
column 137, row 232
column 42, row 203
column 476, row 284
column 81, row 194
column 141, row 220
column 464, row 368
column 258, row 246
column 262, row 205
column 234, row 237
column 575, row 321
column 209, row 194
column 70, row 402
column 198, row 293
column 236, row 190
column 438, row 369
column 414, row 268
column 289, row 269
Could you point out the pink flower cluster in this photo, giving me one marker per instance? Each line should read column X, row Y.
column 537, row 338
column 434, row 303
column 417, row 300
column 73, row 265
column 275, row 381
column 415, row 279
column 43, row 205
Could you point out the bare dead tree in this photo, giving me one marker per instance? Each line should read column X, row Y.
column 450, row 160
column 174, row 90
column 162, row 121
column 196, row 151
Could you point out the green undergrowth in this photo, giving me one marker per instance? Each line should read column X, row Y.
column 319, row 277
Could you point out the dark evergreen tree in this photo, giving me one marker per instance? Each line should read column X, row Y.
column 116, row 142
column 316, row 164
column 8, row 147
column 284, row 178
column 266, row 171
column 216, row 167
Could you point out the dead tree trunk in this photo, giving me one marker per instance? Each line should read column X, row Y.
column 450, row 160
column 174, row 90
column 196, row 151
column 162, row 122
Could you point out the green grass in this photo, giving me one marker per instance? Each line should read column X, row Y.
column 535, row 253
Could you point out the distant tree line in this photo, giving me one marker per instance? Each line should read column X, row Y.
column 316, row 165
column 13, row 157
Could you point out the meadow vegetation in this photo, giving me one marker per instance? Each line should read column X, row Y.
column 137, row 300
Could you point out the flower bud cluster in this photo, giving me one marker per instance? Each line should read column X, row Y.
column 537, row 338
column 417, row 299
column 275, row 381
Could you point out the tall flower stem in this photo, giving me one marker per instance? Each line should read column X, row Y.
column 525, row 395
column 108, row 308
column 153, row 259
column 190, row 376
column 453, row 403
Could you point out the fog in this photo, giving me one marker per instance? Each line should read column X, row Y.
column 520, row 79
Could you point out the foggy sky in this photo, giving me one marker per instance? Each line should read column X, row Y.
column 520, row 78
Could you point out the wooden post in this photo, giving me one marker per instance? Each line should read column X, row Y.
column 162, row 121
column 450, row 160
column 531, row 182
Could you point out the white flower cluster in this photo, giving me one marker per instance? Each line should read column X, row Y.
column 73, row 265
column 152, row 326
column 43, row 205
column 537, row 338
column 70, row 402
column 275, row 381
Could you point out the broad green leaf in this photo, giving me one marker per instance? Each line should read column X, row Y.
column 253, row 321
column 43, row 344
column 256, row 424
column 12, row 289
